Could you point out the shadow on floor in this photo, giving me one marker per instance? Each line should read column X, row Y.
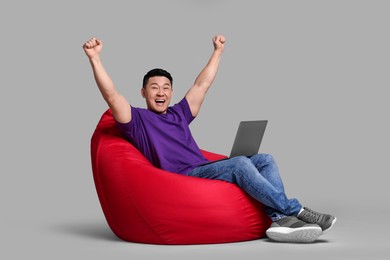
column 91, row 230
column 318, row 241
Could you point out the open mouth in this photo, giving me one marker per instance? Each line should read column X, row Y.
column 160, row 102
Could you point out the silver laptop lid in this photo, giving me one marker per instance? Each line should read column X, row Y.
column 248, row 138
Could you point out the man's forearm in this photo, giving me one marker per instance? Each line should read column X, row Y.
column 207, row 75
column 103, row 80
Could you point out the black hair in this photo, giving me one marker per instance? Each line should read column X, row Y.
column 156, row 73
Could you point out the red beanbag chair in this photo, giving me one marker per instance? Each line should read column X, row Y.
column 145, row 204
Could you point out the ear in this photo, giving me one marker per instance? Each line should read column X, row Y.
column 143, row 92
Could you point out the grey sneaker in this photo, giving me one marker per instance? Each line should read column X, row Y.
column 325, row 221
column 291, row 229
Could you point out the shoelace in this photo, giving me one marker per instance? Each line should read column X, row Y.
column 311, row 215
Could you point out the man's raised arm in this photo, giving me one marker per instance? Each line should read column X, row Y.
column 118, row 104
column 197, row 92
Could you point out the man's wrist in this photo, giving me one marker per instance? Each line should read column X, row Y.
column 217, row 53
column 95, row 58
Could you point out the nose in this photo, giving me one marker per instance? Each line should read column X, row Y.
column 160, row 92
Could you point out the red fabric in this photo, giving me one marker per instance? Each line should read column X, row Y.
column 145, row 204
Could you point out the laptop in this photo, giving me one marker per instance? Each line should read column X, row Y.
column 248, row 139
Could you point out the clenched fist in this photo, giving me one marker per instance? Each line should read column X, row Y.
column 219, row 42
column 93, row 47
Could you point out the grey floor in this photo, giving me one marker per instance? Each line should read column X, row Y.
column 353, row 237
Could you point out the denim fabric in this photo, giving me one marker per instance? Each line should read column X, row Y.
column 259, row 177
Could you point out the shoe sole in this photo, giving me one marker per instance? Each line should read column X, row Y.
column 294, row 235
column 330, row 227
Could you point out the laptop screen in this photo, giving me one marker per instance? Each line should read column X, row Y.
column 248, row 138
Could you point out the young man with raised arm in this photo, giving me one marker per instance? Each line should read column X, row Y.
column 161, row 132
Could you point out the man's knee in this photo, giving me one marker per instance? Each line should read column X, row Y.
column 242, row 164
column 264, row 157
column 241, row 161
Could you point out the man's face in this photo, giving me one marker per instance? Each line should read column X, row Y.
column 158, row 93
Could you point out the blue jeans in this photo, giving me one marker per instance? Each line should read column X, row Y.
column 259, row 177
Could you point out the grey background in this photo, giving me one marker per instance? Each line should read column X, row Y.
column 317, row 70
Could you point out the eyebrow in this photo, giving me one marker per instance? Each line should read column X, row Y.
column 165, row 84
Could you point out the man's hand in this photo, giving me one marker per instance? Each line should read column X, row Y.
column 219, row 42
column 93, row 47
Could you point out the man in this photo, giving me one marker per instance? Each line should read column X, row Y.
column 161, row 132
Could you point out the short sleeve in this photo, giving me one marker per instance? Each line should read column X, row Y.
column 128, row 129
column 185, row 108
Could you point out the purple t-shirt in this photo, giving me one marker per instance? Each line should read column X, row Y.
column 165, row 139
